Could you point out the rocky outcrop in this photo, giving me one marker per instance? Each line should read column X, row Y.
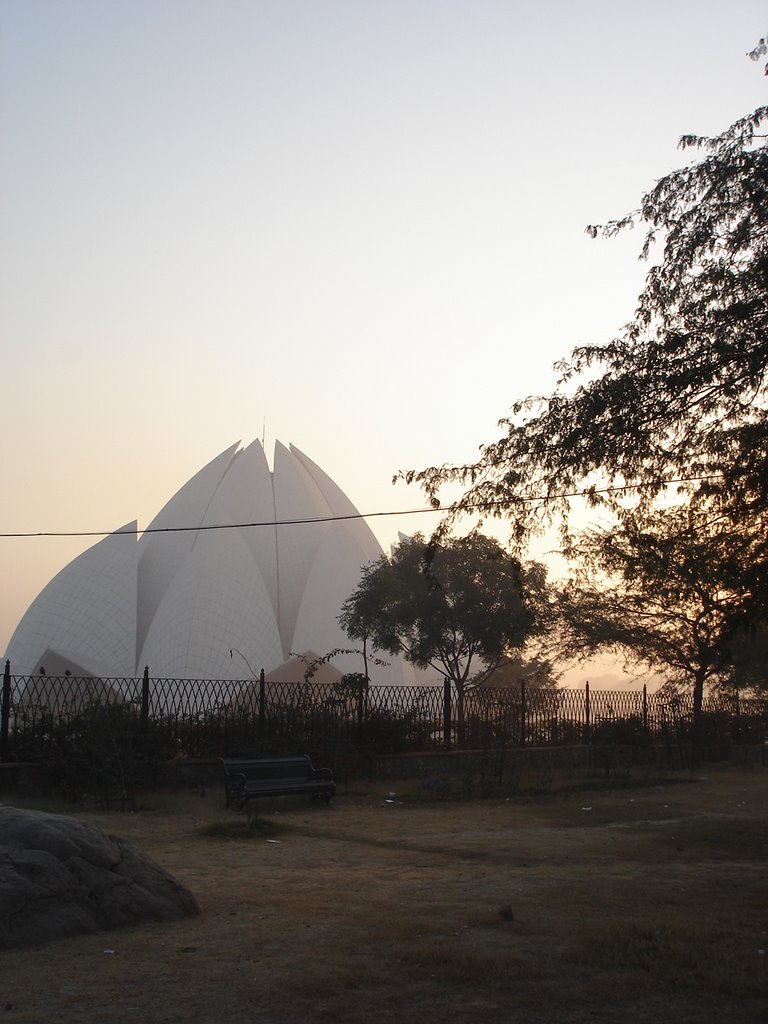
column 62, row 876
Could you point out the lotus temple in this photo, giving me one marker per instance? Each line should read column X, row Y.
column 242, row 559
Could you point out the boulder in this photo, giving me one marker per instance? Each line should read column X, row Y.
column 62, row 876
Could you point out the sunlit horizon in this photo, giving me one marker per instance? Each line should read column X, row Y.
column 357, row 228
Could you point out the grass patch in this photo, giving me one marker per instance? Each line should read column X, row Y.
column 723, row 835
column 596, row 808
column 705, row 959
column 243, row 828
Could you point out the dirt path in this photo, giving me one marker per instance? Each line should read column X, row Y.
column 631, row 906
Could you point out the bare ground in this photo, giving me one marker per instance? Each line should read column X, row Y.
column 632, row 905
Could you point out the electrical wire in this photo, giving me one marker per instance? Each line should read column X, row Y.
column 486, row 505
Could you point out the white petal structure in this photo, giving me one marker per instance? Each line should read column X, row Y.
column 84, row 620
column 180, row 601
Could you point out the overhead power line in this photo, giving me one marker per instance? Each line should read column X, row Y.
column 613, row 489
column 221, row 526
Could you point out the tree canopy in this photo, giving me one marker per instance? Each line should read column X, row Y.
column 678, row 399
column 460, row 606
column 665, row 427
column 675, row 408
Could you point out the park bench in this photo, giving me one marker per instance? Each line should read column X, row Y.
column 275, row 776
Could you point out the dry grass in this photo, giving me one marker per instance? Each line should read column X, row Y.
column 635, row 905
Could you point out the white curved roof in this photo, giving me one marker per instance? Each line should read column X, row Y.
column 86, row 614
column 179, row 601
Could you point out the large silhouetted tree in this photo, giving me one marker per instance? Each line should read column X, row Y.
column 679, row 400
column 674, row 409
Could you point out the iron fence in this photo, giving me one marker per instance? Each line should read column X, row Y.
column 47, row 717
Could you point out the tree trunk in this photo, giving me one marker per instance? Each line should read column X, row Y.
column 365, row 658
column 696, row 729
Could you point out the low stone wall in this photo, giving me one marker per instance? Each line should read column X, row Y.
column 22, row 777
column 583, row 759
column 424, row 765
column 203, row 773
column 459, row 762
column 587, row 759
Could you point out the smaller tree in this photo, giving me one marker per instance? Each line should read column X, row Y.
column 460, row 607
column 663, row 588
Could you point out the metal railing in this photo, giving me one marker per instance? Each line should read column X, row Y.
column 43, row 716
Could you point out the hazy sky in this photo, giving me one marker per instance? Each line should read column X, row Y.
column 354, row 226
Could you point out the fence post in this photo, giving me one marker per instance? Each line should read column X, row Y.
column 447, row 712
column 645, row 708
column 145, row 698
column 587, row 713
column 262, row 702
column 5, row 712
column 737, row 730
column 522, row 712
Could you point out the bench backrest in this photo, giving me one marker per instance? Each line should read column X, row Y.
column 271, row 768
